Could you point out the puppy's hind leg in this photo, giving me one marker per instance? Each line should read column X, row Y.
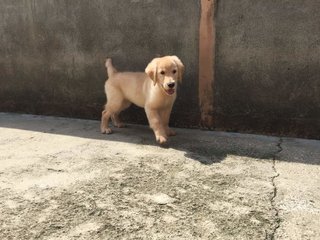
column 114, row 106
column 115, row 117
column 106, row 114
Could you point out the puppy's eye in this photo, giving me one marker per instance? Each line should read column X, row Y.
column 162, row 72
column 174, row 71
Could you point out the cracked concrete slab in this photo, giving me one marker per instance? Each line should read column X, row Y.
column 298, row 187
column 61, row 179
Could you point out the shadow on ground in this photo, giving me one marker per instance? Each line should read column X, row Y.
column 207, row 147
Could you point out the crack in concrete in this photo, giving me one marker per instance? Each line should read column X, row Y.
column 275, row 192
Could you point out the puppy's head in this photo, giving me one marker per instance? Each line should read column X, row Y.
column 167, row 72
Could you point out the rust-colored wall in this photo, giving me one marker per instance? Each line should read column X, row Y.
column 206, row 63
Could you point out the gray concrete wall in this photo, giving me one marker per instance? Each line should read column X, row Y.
column 268, row 66
column 267, row 75
column 52, row 52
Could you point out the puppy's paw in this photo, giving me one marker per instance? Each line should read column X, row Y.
column 170, row 132
column 161, row 139
column 120, row 125
column 106, row 131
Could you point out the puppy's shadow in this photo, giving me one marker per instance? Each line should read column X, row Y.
column 206, row 147
column 218, row 146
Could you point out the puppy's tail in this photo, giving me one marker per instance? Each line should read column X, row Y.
column 110, row 69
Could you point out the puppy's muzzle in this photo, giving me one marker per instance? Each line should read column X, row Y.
column 169, row 88
column 171, row 85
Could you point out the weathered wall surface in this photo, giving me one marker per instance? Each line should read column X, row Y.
column 52, row 52
column 266, row 73
column 268, row 66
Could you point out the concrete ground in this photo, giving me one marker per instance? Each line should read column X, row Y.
column 61, row 179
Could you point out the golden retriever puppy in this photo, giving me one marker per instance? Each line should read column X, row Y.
column 155, row 91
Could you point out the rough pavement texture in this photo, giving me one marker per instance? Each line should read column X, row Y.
column 61, row 179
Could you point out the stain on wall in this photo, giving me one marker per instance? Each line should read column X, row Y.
column 206, row 63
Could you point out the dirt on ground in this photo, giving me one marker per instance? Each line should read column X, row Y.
column 61, row 179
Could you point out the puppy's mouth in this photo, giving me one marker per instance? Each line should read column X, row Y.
column 170, row 91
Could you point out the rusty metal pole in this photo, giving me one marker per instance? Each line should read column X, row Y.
column 206, row 63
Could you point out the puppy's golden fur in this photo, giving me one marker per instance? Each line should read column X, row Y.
column 155, row 91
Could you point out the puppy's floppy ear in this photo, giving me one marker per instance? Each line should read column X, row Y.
column 180, row 65
column 151, row 70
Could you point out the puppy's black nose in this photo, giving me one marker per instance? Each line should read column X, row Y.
column 171, row 85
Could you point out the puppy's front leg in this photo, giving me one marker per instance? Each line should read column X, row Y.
column 165, row 115
column 156, row 124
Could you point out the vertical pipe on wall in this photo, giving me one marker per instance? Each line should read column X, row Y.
column 206, row 62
